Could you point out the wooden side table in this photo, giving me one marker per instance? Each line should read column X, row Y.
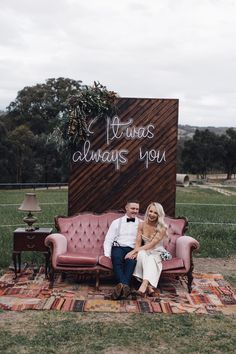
column 30, row 241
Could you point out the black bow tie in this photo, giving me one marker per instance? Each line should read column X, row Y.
column 130, row 220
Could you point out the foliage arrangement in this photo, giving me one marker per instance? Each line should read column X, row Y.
column 92, row 103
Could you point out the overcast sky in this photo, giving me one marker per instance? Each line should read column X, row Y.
column 183, row 49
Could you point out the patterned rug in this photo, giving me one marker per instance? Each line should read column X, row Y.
column 211, row 294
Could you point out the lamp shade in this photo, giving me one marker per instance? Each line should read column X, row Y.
column 30, row 203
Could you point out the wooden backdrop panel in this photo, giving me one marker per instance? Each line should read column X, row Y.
column 100, row 186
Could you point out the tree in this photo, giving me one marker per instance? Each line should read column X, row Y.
column 22, row 140
column 50, row 164
column 229, row 152
column 34, row 114
column 41, row 106
column 179, row 162
column 5, row 153
column 200, row 154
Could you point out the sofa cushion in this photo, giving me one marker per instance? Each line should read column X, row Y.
column 173, row 263
column 73, row 259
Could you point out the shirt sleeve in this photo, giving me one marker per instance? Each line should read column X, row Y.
column 112, row 233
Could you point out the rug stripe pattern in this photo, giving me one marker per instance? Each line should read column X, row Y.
column 211, row 294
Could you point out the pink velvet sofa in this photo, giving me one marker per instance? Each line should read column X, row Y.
column 78, row 246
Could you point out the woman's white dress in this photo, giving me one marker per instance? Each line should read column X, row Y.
column 149, row 264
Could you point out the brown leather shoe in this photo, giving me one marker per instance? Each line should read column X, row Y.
column 117, row 292
column 126, row 290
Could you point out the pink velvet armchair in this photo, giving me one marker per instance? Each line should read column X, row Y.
column 78, row 246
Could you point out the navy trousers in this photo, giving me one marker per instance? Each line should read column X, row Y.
column 123, row 268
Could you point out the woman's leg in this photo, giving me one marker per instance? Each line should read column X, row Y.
column 139, row 270
column 152, row 271
column 147, row 268
column 143, row 286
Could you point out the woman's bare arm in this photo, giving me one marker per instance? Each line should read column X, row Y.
column 157, row 238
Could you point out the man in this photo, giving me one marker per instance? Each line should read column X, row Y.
column 120, row 239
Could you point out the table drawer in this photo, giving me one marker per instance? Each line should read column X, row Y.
column 31, row 242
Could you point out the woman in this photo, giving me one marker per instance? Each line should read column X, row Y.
column 151, row 233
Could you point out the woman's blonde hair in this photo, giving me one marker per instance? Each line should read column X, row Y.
column 160, row 224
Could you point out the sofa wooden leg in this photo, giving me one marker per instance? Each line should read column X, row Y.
column 63, row 276
column 97, row 279
column 190, row 276
column 190, row 279
column 51, row 278
column 51, row 275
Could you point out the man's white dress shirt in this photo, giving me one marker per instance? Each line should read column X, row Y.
column 121, row 231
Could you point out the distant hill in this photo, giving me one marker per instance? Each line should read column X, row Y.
column 187, row 131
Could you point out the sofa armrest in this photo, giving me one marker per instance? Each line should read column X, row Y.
column 184, row 247
column 58, row 245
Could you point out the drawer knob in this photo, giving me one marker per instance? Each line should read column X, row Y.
column 30, row 246
column 30, row 237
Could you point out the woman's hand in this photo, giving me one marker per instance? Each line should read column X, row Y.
column 131, row 255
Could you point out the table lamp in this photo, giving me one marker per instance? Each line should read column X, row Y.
column 30, row 204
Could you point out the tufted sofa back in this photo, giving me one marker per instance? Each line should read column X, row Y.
column 85, row 231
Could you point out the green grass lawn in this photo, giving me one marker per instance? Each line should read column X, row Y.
column 212, row 220
column 53, row 332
